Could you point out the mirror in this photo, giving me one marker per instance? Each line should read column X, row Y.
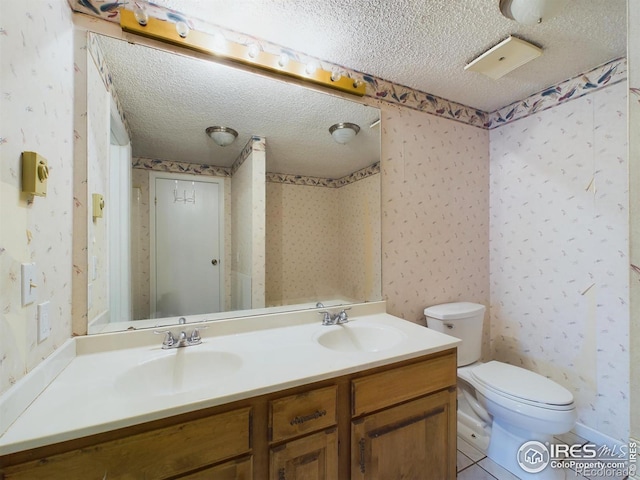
column 280, row 219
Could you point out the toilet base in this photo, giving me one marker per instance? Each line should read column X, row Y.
column 503, row 449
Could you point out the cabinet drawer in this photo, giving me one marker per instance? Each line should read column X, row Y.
column 302, row 413
column 241, row 469
column 390, row 387
column 158, row 454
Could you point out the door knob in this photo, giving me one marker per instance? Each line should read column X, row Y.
column 214, row 262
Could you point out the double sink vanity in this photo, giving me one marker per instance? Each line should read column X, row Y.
column 277, row 396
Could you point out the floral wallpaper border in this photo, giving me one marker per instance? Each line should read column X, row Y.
column 94, row 48
column 605, row 75
column 214, row 171
column 255, row 143
column 384, row 90
column 324, row 182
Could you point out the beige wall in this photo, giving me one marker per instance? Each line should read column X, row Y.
column 323, row 243
column 559, row 243
column 248, row 228
column 36, row 50
column 634, row 194
column 98, row 143
column 435, row 213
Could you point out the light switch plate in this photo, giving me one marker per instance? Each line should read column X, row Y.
column 44, row 322
column 29, row 287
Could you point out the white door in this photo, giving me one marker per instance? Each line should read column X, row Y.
column 187, row 247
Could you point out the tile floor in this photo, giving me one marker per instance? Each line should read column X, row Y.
column 472, row 464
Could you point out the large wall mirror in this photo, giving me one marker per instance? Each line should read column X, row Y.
column 280, row 219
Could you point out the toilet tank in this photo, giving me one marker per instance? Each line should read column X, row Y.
column 462, row 320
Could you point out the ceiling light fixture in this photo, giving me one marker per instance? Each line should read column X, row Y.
column 344, row 132
column 223, row 136
column 530, row 12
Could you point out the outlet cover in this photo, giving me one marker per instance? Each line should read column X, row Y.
column 29, row 287
column 44, row 322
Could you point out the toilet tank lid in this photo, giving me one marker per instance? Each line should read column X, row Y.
column 453, row 311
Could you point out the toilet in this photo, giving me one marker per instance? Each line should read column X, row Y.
column 501, row 406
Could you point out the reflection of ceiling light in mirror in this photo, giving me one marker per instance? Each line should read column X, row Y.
column 223, row 136
column 344, row 132
column 140, row 12
column 182, row 29
column 530, row 12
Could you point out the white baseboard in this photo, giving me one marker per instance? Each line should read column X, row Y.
column 595, row 436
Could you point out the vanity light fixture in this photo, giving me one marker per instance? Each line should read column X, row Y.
column 215, row 44
column 343, row 132
column 223, row 136
column 530, row 12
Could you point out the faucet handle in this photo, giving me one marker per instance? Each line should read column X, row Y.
column 326, row 318
column 169, row 339
column 342, row 317
column 195, row 337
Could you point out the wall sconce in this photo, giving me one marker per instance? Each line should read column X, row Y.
column 223, row 136
column 138, row 22
column 530, row 12
column 344, row 132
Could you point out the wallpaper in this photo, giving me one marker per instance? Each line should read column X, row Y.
column 435, row 213
column 248, row 227
column 98, row 142
column 559, row 243
column 634, row 213
column 36, row 52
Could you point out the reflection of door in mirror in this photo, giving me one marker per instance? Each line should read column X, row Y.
column 186, row 240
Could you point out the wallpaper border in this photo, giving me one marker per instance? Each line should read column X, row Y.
column 392, row 93
column 215, row 171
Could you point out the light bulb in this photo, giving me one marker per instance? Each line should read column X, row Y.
column 311, row 68
column 336, row 74
column 283, row 60
column 219, row 41
column 253, row 50
column 140, row 12
column 182, row 29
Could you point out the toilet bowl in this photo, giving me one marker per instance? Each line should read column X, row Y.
column 501, row 406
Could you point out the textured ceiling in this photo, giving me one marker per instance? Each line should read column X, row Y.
column 169, row 100
column 425, row 44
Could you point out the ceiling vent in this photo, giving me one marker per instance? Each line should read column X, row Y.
column 504, row 57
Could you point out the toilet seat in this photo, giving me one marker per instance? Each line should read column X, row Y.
column 521, row 385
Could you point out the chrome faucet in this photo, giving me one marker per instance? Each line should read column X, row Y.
column 182, row 339
column 335, row 319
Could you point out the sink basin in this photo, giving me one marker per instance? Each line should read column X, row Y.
column 353, row 337
column 178, row 370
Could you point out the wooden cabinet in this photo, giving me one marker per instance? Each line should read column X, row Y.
column 157, row 454
column 314, row 457
column 394, row 421
column 241, row 469
column 411, row 440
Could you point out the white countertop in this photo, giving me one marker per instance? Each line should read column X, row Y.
column 271, row 353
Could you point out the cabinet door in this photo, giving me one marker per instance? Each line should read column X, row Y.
column 234, row 470
column 413, row 440
column 314, row 457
